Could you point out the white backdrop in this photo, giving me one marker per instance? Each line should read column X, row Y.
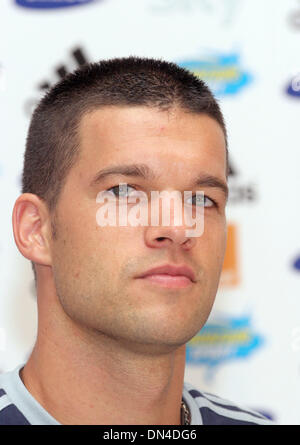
column 248, row 52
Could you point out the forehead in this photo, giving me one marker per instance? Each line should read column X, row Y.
column 162, row 138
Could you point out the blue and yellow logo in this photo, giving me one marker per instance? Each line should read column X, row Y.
column 225, row 339
column 222, row 73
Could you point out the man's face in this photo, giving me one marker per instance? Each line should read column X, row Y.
column 95, row 268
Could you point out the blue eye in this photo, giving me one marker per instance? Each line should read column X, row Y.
column 120, row 190
column 204, row 201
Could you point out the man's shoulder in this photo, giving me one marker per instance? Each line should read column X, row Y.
column 10, row 414
column 215, row 410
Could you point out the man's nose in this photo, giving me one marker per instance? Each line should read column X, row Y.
column 167, row 236
column 169, row 230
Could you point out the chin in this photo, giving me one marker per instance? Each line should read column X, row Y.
column 161, row 341
column 153, row 347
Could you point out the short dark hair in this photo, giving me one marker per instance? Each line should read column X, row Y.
column 52, row 145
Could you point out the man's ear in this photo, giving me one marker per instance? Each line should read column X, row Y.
column 32, row 228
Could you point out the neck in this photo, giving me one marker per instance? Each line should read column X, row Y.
column 83, row 377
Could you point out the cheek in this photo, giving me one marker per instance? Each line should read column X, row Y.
column 72, row 248
column 212, row 243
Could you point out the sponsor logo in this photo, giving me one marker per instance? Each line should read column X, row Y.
column 293, row 88
column 225, row 11
column 222, row 72
column 78, row 58
column 296, row 264
column 222, row 340
column 230, row 275
column 239, row 192
column 49, row 4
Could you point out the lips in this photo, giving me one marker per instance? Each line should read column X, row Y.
column 172, row 270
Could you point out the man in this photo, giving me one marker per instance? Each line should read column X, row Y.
column 110, row 347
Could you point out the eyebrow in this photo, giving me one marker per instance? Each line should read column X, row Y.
column 144, row 171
